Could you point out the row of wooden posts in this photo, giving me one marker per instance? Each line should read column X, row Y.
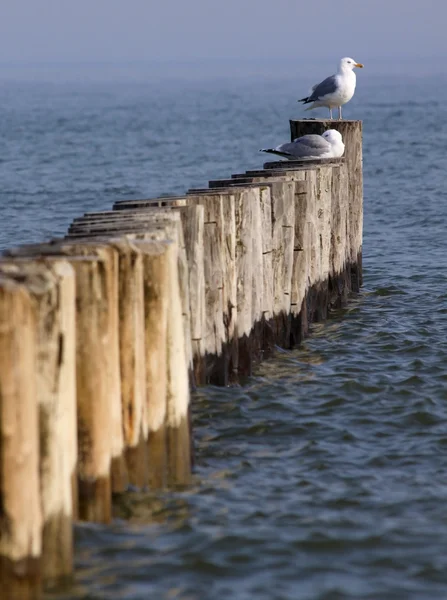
column 103, row 334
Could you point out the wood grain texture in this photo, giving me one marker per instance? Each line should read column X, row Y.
column 214, row 265
column 148, row 202
column 351, row 132
column 193, row 227
column 98, row 383
column 163, row 220
column 20, row 506
column 156, row 299
column 94, row 302
column 132, row 358
column 283, row 233
column 320, row 201
column 177, row 424
column 229, row 290
column 265, row 203
column 244, row 261
column 51, row 285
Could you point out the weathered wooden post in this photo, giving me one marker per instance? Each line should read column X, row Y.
column 132, row 358
column 193, row 228
column 216, row 350
column 97, row 369
column 169, row 442
column 244, row 208
column 51, row 285
column 192, row 217
column 280, row 241
column 320, row 277
column 82, row 257
column 161, row 224
column 20, row 505
column 351, row 132
column 125, row 222
column 177, row 422
column 94, row 299
column 340, row 284
column 156, row 299
column 245, row 302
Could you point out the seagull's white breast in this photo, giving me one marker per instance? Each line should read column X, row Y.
column 345, row 88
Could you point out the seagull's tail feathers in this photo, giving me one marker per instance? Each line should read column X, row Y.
column 304, row 100
column 277, row 152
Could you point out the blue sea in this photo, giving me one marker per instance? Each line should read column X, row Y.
column 323, row 476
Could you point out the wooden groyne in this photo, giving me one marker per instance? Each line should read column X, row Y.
column 104, row 332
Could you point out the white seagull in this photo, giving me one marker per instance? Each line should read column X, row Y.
column 335, row 90
column 328, row 145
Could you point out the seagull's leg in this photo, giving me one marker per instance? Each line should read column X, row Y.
column 339, row 113
column 330, row 113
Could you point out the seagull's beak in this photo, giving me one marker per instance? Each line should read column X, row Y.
column 359, row 65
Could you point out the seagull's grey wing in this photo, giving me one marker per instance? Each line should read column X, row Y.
column 312, row 141
column 328, row 86
column 310, row 145
column 303, row 147
column 283, row 150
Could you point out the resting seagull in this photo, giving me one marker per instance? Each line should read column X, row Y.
column 328, row 145
column 335, row 90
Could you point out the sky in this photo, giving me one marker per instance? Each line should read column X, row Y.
column 119, row 31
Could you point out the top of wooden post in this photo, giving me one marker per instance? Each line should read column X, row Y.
column 325, row 121
column 304, row 163
column 347, row 128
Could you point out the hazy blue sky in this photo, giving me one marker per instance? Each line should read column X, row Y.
column 130, row 30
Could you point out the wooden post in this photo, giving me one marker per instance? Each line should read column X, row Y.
column 97, row 369
column 156, row 298
column 238, row 213
column 166, row 364
column 267, row 270
column 94, row 342
column 132, row 358
column 319, row 192
column 250, row 284
column 299, row 281
column 169, row 442
column 262, row 337
column 213, row 240
column 244, row 262
column 339, row 272
column 229, row 286
column 51, row 285
column 179, row 445
column 148, row 202
column 351, row 132
column 109, row 271
column 166, row 360
column 117, row 221
column 174, row 432
column 20, row 506
column 164, row 220
column 301, row 251
column 303, row 206
column 193, row 227
column 283, row 226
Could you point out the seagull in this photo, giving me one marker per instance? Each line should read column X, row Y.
column 328, row 145
column 335, row 90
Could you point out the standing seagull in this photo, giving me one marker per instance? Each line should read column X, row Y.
column 335, row 90
column 328, row 145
